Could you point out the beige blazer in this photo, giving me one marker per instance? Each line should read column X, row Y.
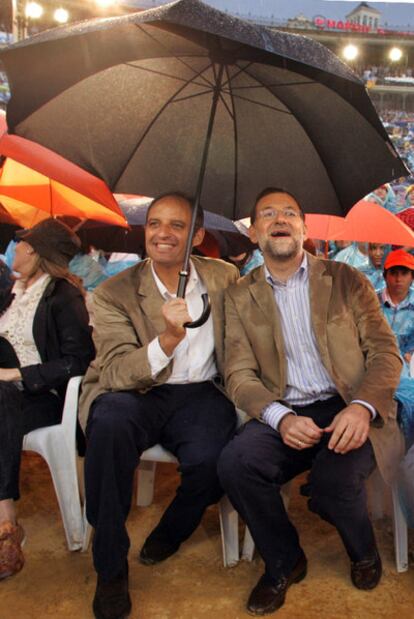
column 355, row 343
column 127, row 316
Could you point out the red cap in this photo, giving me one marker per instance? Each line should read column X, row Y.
column 399, row 258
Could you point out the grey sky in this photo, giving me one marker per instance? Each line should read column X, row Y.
column 393, row 13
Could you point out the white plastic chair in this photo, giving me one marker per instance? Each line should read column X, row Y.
column 145, row 494
column 57, row 445
column 377, row 489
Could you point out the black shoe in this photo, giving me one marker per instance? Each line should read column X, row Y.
column 269, row 595
column 112, row 599
column 156, row 550
column 366, row 574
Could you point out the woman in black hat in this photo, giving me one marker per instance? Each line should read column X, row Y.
column 45, row 339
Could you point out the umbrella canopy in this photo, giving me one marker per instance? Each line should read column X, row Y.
column 365, row 222
column 136, row 94
column 407, row 216
column 36, row 183
column 222, row 237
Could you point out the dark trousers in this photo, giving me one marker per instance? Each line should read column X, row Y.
column 20, row 412
column 256, row 463
column 193, row 421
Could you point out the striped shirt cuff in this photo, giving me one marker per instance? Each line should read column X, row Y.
column 273, row 414
column 368, row 406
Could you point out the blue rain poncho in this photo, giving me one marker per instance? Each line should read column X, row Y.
column 401, row 320
column 375, row 276
column 352, row 256
column 90, row 272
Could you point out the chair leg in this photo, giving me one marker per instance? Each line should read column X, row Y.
column 66, row 485
column 145, row 483
column 87, row 530
column 229, row 526
column 248, row 546
column 400, row 532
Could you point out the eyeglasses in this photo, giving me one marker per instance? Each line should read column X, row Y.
column 272, row 213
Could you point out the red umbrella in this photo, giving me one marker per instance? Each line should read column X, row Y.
column 36, row 183
column 366, row 222
column 407, row 216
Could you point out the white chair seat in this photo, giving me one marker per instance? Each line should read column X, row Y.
column 57, row 445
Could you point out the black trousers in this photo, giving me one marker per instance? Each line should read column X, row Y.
column 192, row 421
column 256, row 463
column 21, row 412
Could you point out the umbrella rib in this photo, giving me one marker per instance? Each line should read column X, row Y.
column 163, row 46
column 174, row 77
column 236, row 146
column 153, row 121
column 270, row 107
column 198, row 94
column 224, row 102
column 230, row 78
column 280, row 85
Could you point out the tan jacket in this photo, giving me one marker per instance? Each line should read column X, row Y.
column 127, row 316
column 355, row 344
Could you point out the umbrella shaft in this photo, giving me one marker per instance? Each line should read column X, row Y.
column 184, row 273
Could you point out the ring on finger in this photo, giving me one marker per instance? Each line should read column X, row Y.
column 299, row 444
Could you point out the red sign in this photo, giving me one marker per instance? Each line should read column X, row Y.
column 332, row 24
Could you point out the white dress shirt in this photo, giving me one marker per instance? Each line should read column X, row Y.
column 307, row 377
column 193, row 358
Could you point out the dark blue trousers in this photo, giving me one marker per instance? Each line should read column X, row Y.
column 256, row 463
column 193, row 421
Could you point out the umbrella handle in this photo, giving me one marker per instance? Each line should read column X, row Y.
column 204, row 314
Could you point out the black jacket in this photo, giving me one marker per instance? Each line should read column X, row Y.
column 63, row 338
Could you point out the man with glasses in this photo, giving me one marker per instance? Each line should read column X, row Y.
column 310, row 357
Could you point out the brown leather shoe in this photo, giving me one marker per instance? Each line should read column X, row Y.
column 267, row 596
column 11, row 555
column 366, row 574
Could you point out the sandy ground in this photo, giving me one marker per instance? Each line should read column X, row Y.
column 193, row 584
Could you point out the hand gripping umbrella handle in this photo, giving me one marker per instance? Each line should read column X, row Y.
column 204, row 314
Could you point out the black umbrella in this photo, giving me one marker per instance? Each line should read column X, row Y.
column 187, row 97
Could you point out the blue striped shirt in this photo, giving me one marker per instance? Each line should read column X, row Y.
column 307, row 378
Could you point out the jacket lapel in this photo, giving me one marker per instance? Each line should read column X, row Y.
column 320, row 290
column 151, row 299
column 215, row 290
column 262, row 294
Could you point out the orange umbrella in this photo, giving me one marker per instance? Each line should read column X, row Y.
column 36, row 183
column 366, row 222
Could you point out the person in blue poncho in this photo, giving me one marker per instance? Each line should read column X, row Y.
column 397, row 302
column 409, row 197
column 384, row 195
column 374, row 271
column 355, row 255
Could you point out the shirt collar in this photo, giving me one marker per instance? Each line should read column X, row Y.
column 300, row 274
column 193, row 280
column 386, row 299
